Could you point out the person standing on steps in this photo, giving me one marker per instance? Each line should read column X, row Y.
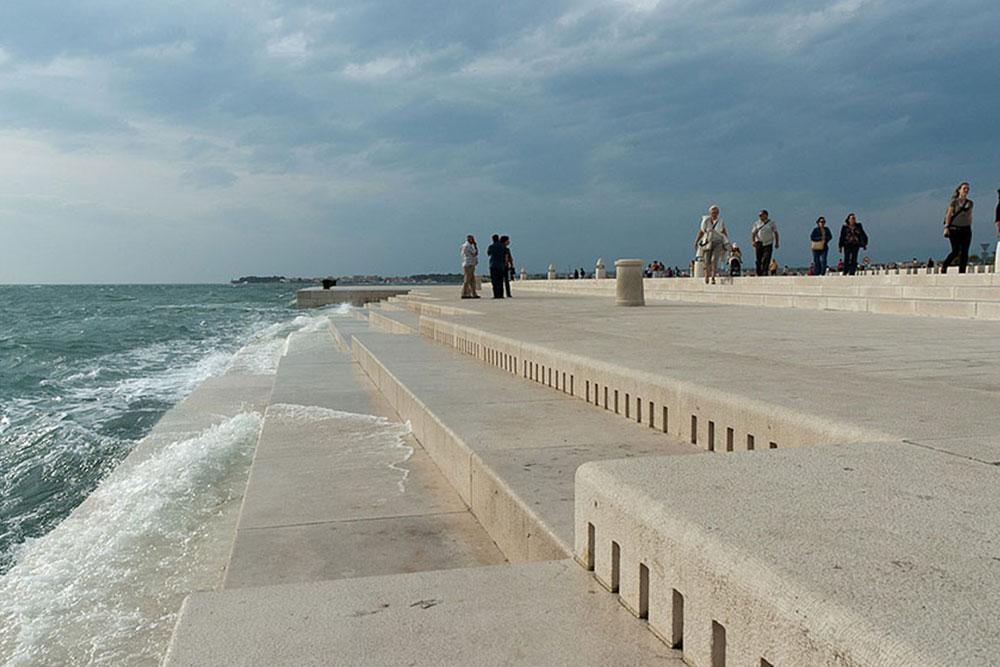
column 470, row 257
column 819, row 241
column 508, row 264
column 852, row 239
column 497, row 252
column 998, row 213
column 712, row 241
column 764, row 238
column 958, row 228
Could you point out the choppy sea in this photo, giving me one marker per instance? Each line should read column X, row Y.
column 85, row 374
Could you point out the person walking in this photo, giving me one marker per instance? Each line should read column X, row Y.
column 819, row 241
column 764, row 238
column 470, row 258
column 712, row 241
column 852, row 239
column 958, row 228
column 508, row 264
column 496, row 251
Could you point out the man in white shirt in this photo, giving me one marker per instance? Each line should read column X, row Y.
column 470, row 257
column 764, row 238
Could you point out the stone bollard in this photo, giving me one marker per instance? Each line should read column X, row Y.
column 552, row 272
column 629, row 289
column 479, row 283
column 698, row 267
column 524, row 274
column 996, row 258
column 599, row 271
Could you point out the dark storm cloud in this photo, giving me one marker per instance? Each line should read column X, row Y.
column 554, row 116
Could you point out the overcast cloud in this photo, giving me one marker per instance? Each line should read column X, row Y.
column 197, row 141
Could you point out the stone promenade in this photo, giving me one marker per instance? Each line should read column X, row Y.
column 755, row 486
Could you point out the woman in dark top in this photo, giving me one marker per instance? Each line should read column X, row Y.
column 852, row 239
column 819, row 241
column 958, row 228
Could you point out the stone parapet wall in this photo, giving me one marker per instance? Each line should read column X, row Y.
column 968, row 296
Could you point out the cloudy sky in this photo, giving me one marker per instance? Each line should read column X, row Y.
column 185, row 140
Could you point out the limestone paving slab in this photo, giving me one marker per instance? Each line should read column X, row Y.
column 334, row 468
column 309, row 489
column 876, row 554
column 537, row 614
column 817, row 362
column 346, row 549
column 539, row 474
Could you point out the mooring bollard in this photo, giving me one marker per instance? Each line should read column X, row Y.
column 629, row 289
column 552, row 272
column 524, row 274
column 599, row 272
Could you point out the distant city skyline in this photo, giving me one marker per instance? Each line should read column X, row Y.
column 200, row 141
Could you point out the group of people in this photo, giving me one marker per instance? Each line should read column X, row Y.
column 713, row 241
column 501, row 266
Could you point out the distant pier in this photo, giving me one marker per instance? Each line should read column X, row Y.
column 358, row 295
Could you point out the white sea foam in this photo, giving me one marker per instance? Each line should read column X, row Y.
column 261, row 355
column 364, row 440
column 104, row 586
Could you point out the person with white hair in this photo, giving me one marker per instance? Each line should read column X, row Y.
column 712, row 241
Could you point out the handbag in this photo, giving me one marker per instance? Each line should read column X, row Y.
column 817, row 245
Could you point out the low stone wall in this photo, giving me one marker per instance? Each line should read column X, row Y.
column 965, row 296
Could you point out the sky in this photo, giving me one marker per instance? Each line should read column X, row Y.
column 197, row 141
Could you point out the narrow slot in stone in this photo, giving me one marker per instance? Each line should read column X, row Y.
column 591, row 545
column 677, row 622
column 638, row 409
column 616, row 554
column 643, row 591
column 765, row 663
column 711, row 435
column 718, row 644
column 750, row 442
column 605, row 397
column 652, row 411
column 772, row 445
column 730, row 437
column 665, row 422
column 694, row 430
column 587, row 389
column 571, row 378
column 564, row 383
column 616, row 401
column 628, row 405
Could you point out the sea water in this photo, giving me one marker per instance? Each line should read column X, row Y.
column 85, row 374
